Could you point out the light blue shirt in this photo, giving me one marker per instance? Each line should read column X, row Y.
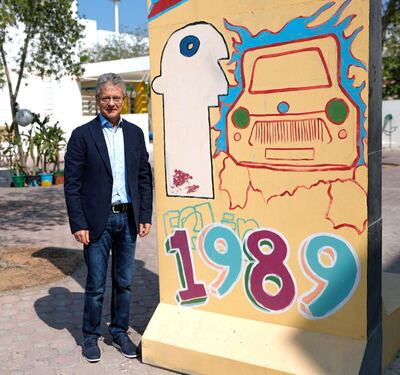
column 114, row 137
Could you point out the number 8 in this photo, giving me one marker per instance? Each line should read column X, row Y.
column 268, row 267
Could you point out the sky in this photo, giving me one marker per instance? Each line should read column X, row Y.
column 132, row 13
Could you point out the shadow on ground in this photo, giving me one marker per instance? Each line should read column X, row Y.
column 62, row 308
column 33, row 210
column 27, row 267
column 392, row 265
column 65, row 260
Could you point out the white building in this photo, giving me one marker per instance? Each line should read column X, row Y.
column 71, row 102
column 94, row 36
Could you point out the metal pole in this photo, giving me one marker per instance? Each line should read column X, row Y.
column 116, row 16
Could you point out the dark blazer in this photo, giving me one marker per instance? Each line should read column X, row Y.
column 88, row 177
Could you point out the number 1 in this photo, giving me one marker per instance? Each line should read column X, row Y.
column 192, row 292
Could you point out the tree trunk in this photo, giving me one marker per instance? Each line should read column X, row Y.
column 17, row 135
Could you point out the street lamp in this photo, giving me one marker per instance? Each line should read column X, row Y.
column 24, row 117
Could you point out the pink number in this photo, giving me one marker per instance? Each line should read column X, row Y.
column 192, row 292
column 267, row 252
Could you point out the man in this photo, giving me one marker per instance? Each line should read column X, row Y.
column 108, row 191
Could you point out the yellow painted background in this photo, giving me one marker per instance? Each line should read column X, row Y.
column 295, row 216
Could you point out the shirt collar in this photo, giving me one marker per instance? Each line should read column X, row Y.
column 107, row 124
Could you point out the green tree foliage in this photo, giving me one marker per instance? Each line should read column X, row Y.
column 391, row 50
column 45, row 35
column 118, row 47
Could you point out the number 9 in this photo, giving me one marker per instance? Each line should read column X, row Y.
column 332, row 265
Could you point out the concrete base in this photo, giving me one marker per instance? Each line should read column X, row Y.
column 198, row 342
column 390, row 316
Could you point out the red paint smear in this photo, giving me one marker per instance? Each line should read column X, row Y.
column 162, row 5
column 180, row 178
column 192, row 188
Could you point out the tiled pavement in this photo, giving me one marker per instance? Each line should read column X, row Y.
column 40, row 327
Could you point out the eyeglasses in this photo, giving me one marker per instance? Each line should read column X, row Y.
column 107, row 99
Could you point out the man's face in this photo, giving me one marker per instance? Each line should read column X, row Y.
column 111, row 102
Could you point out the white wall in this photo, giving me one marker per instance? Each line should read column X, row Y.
column 61, row 100
column 391, row 107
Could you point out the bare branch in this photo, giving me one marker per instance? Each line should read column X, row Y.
column 24, row 53
column 8, row 76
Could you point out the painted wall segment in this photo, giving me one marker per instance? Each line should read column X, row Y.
column 261, row 129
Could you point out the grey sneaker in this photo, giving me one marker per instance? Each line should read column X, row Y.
column 90, row 349
column 126, row 346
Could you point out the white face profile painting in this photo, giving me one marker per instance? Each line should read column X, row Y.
column 191, row 80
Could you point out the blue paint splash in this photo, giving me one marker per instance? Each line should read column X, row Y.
column 295, row 30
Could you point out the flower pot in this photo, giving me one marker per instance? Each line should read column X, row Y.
column 5, row 177
column 46, row 179
column 33, row 180
column 18, row 181
column 58, row 179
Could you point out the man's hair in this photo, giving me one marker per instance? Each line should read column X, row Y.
column 112, row 78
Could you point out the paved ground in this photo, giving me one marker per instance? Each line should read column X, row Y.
column 41, row 326
column 391, row 209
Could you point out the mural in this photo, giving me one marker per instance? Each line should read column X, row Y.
column 306, row 116
column 263, row 122
column 327, row 260
column 190, row 81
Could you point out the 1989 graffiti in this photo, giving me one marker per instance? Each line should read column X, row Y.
column 327, row 260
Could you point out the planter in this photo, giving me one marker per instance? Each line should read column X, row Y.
column 33, row 180
column 18, row 181
column 58, row 179
column 5, row 177
column 46, row 179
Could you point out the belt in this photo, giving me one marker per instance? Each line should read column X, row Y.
column 120, row 207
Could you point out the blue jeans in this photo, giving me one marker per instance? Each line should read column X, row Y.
column 119, row 236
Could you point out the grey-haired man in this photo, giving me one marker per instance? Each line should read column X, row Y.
column 108, row 191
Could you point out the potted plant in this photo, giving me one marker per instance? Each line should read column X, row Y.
column 58, row 143
column 5, row 166
column 10, row 151
column 31, row 140
column 47, row 143
column 58, row 177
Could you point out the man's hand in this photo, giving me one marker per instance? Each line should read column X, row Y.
column 82, row 236
column 144, row 229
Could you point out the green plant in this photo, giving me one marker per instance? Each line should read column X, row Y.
column 46, row 143
column 54, row 142
column 391, row 49
column 9, row 149
column 47, row 47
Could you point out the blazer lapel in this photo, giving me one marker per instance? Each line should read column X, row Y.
column 98, row 137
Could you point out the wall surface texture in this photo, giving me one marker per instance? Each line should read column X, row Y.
column 260, row 115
